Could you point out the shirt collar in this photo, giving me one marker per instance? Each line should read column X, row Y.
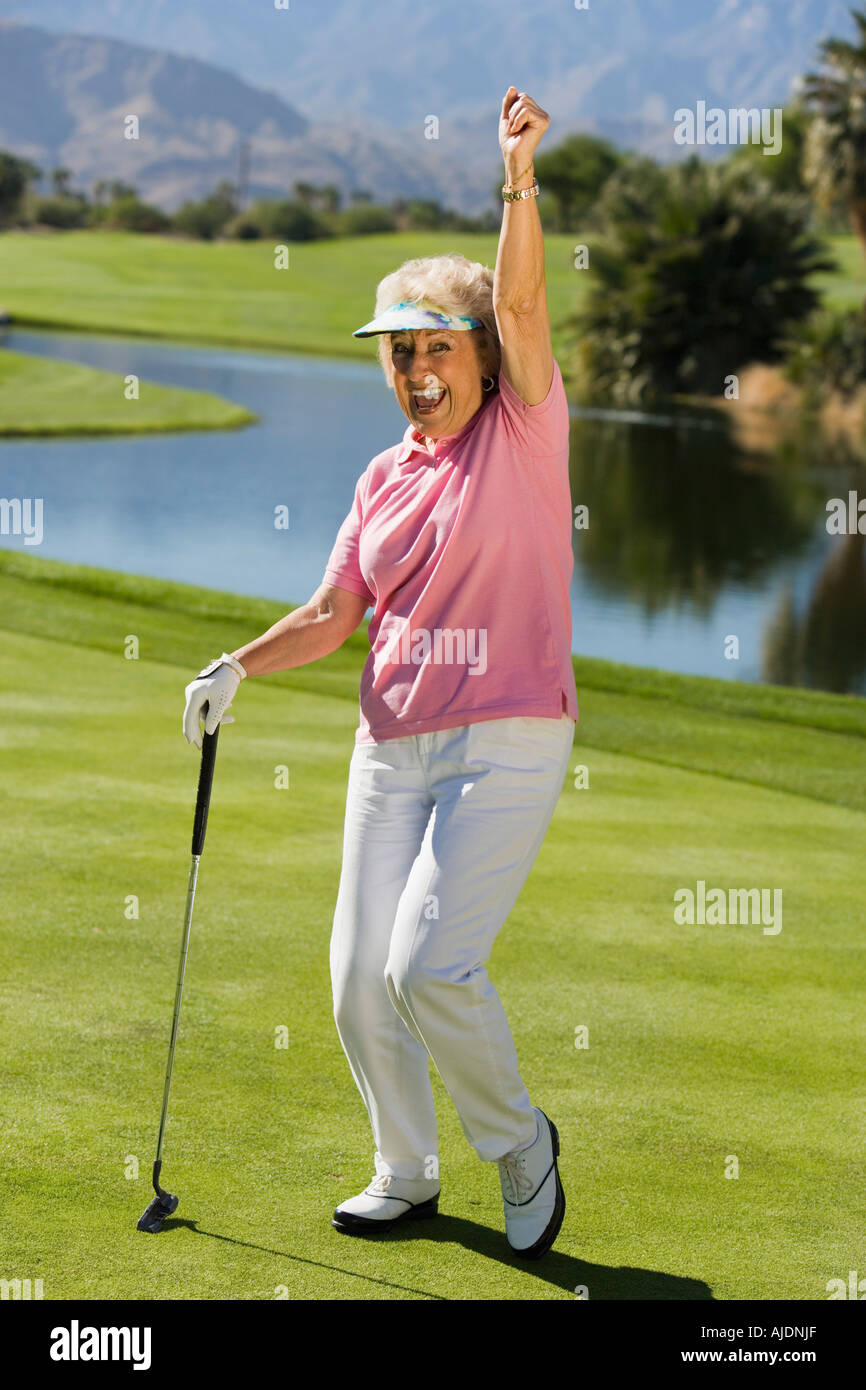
column 413, row 438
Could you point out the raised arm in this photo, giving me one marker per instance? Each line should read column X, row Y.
column 519, row 290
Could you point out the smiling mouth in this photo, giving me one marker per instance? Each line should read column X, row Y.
column 425, row 402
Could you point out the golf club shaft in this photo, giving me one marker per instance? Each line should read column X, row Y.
column 178, row 995
column 202, row 804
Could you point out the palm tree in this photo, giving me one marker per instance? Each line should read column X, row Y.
column 304, row 192
column 117, row 189
column 60, row 182
column 835, row 154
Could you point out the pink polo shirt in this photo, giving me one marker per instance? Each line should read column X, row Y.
column 465, row 557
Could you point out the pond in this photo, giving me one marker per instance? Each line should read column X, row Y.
column 691, row 538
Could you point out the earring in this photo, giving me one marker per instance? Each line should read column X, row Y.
column 492, row 383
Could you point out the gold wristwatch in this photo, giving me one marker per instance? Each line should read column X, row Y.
column 512, row 197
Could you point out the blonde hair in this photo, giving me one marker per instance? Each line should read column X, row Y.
column 453, row 283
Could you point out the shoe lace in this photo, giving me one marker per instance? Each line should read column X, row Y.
column 381, row 1183
column 515, row 1177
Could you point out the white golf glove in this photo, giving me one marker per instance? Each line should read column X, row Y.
column 214, row 686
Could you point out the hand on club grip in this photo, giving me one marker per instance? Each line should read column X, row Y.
column 215, row 687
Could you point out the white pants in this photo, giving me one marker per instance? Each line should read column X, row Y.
column 441, row 832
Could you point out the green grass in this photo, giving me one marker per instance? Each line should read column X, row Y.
column 845, row 287
column 705, row 1042
column 39, row 396
column 230, row 292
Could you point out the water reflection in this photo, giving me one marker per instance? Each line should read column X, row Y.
column 681, row 520
column 824, row 645
column 675, row 516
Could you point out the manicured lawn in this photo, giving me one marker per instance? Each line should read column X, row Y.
column 43, row 397
column 230, row 292
column 845, row 287
column 705, row 1042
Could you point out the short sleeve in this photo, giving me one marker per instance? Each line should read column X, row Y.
column 539, row 429
column 343, row 569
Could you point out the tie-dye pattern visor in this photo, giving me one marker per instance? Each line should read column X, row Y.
column 414, row 313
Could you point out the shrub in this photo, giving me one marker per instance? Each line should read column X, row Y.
column 286, row 219
column 705, row 274
column 364, row 220
column 62, row 213
column 205, row 219
column 243, row 227
column 828, row 351
column 130, row 214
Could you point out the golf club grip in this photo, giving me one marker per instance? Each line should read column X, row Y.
column 205, row 782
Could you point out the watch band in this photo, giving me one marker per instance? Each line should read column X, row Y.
column 512, row 197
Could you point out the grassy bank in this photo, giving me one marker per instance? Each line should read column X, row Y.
column 704, row 1042
column 39, row 396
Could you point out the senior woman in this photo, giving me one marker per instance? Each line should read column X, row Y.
column 459, row 539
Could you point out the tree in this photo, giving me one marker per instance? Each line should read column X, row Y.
column 575, row 172
column 130, row 214
column 15, row 176
column 366, row 219
column 62, row 213
column 304, row 193
column 207, row 218
column 425, row 214
column 286, row 219
column 785, row 169
column 324, row 198
column 633, row 193
column 709, row 278
column 60, row 182
column 226, row 194
column 835, row 155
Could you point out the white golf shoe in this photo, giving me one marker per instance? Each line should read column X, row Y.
column 532, row 1192
column 386, row 1201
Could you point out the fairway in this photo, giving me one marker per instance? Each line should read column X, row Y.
column 229, row 292
column 705, row 1042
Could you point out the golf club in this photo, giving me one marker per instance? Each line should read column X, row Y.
column 163, row 1204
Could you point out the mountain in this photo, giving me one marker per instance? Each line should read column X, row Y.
column 395, row 61
column 339, row 92
column 64, row 99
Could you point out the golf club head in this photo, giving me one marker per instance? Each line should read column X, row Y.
column 156, row 1212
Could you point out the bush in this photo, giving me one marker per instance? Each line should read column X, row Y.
column 364, row 220
column 286, row 219
column 243, row 227
column 708, row 272
column 130, row 214
column 62, row 213
column 828, row 351
column 205, row 219
column 15, row 176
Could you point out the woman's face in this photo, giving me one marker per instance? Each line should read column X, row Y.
column 445, row 363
